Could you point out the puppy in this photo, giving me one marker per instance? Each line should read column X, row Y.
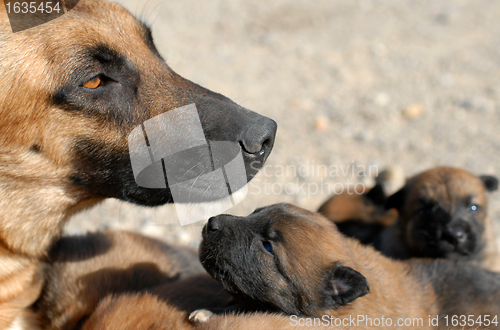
column 283, row 258
column 122, row 280
column 362, row 216
column 72, row 90
column 84, row 270
column 442, row 214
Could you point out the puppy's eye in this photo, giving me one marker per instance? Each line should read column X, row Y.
column 474, row 208
column 93, row 83
column 268, row 247
column 426, row 211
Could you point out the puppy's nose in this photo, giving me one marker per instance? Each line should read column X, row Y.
column 259, row 136
column 456, row 236
column 459, row 235
column 213, row 225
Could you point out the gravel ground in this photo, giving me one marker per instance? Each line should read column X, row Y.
column 351, row 84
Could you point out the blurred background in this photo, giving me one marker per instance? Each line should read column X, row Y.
column 356, row 86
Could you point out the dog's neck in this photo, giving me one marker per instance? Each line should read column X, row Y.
column 33, row 213
column 21, row 282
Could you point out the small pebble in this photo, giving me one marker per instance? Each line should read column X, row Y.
column 321, row 124
column 382, row 99
column 413, row 111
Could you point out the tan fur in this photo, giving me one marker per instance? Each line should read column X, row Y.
column 145, row 311
column 352, row 206
column 36, row 197
column 37, row 138
column 137, row 312
column 122, row 280
column 28, row 119
column 256, row 321
column 85, row 269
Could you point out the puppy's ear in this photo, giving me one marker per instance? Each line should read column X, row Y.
column 342, row 286
column 376, row 195
column 396, row 200
column 490, row 182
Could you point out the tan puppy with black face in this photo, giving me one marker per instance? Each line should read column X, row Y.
column 442, row 214
column 71, row 92
column 287, row 259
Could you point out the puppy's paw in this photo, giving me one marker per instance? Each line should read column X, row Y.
column 200, row 316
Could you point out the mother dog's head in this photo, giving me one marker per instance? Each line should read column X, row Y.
column 72, row 90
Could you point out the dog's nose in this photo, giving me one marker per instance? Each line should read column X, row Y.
column 213, row 225
column 259, row 136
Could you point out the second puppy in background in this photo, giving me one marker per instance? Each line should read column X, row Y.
column 442, row 214
column 361, row 216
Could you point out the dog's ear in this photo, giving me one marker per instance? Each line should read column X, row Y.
column 342, row 286
column 376, row 195
column 490, row 182
column 396, row 200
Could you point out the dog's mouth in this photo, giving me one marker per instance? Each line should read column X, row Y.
column 148, row 199
column 212, row 258
column 450, row 249
column 210, row 261
column 446, row 246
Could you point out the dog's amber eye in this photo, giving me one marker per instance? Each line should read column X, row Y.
column 93, row 83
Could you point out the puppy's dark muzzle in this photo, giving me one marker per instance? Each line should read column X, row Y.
column 455, row 237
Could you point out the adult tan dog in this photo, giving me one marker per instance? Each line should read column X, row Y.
column 71, row 91
column 283, row 258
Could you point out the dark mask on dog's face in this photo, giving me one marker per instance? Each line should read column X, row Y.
column 280, row 258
